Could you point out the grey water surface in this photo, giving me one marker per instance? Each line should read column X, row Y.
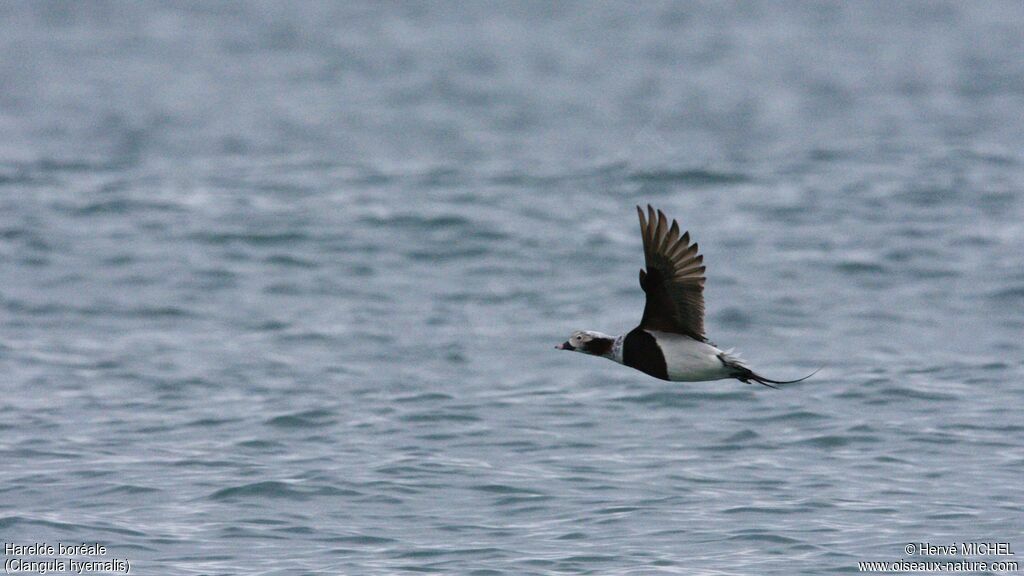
column 280, row 283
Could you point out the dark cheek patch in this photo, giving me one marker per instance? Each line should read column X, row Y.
column 600, row 346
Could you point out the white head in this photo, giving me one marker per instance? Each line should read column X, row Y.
column 589, row 342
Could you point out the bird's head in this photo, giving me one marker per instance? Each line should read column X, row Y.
column 588, row 342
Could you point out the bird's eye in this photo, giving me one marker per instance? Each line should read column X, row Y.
column 578, row 337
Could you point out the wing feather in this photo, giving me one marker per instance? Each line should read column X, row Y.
column 674, row 277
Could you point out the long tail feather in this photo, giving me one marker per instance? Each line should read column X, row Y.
column 747, row 375
column 741, row 372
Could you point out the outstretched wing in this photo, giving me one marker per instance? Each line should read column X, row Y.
column 674, row 280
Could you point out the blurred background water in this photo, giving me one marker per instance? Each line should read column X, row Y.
column 279, row 283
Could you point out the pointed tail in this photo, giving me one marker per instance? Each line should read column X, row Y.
column 749, row 375
column 746, row 375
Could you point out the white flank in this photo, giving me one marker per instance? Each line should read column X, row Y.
column 689, row 360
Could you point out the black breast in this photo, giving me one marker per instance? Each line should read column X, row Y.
column 641, row 351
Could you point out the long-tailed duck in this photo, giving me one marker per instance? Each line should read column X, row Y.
column 669, row 343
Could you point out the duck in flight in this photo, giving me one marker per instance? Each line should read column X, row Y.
column 669, row 343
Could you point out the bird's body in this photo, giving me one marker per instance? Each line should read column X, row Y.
column 669, row 343
column 687, row 360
